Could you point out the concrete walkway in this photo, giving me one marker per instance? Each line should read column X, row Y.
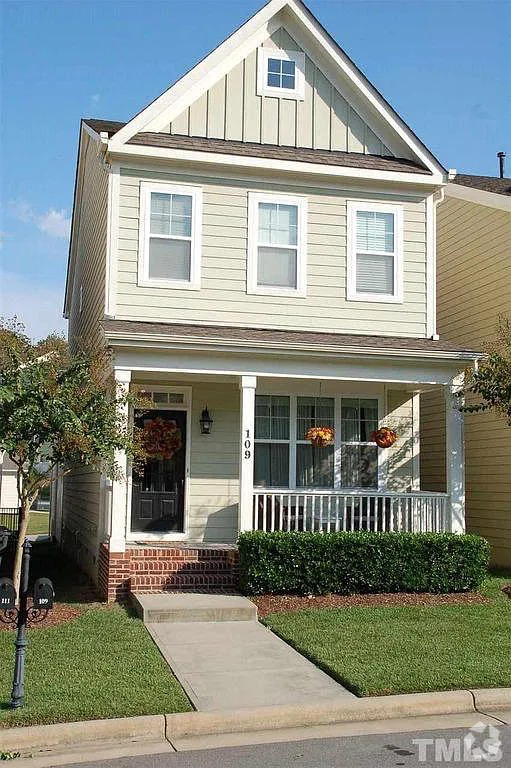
column 225, row 659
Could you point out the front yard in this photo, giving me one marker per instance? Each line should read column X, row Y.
column 385, row 649
column 101, row 663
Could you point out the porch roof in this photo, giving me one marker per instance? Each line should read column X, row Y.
column 132, row 330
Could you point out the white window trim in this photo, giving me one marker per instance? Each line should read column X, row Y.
column 382, row 454
column 263, row 89
column 351, row 251
column 146, row 188
column 254, row 198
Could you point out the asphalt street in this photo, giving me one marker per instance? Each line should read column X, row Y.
column 375, row 751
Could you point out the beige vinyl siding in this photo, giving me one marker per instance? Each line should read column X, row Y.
column 223, row 297
column 231, row 109
column 80, row 508
column 214, row 465
column 432, row 441
column 400, row 456
column 474, row 288
column 91, row 239
column 81, row 489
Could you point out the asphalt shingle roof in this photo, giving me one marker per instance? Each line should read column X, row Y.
column 270, row 151
column 486, row 183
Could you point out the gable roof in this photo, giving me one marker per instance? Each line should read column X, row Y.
column 245, row 39
column 486, row 183
column 298, row 154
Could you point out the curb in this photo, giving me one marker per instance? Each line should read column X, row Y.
column 165, row 728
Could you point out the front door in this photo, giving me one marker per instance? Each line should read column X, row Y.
column 158, row 498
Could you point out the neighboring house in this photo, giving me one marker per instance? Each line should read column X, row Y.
column 474, row 289
column 8, row 483
column 257, row 246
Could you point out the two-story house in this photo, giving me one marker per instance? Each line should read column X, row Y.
column 257, row 248
column 474, row 263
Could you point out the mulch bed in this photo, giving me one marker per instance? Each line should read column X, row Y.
column 61, row 613
column 284, row 603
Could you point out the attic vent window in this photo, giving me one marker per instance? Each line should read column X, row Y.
column 281, row 73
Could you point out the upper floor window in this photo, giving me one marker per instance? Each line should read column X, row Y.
column 281, row 73
column 374, row 252
column 276, row 245
column 170, row 234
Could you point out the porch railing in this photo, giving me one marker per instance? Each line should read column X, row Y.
column 329, row 511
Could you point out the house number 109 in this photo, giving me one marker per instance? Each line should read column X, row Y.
column 247, row 444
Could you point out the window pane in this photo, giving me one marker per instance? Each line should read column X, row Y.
column 288, row 67
column 288, row 81
column 313, row 412
column 273, row 80
column 181, row 205
column 160, row 213
column 359, row 417
column 274, row 65
column 276, row 267
column 314, row 466
column 375, row 231
column 272, row 417
column 169, row 259
column 271, row 465
column 375, row 274
column 278, row 224
column 359, row 466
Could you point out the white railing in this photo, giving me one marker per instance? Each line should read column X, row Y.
column 329, row 511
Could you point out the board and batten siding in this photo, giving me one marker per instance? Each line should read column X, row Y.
column 232, row 110
column 81, row 488
column 474, row 288
column 223, row 299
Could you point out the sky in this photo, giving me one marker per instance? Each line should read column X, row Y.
column 444, row 65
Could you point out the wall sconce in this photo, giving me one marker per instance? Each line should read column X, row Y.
column 206, row 422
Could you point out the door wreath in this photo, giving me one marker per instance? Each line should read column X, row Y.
column 161, row 439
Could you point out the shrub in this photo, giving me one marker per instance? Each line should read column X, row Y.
column 360, row 562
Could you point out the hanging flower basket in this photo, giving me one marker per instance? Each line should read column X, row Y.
column 320, row 436
column 161, row 439
column 384, row 437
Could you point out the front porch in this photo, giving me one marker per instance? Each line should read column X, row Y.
column 256, row 470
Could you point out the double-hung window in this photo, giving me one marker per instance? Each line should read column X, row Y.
column 276, row 245
column 374, row 252
column 281, row 73
column 283, row 458
column 170, row 235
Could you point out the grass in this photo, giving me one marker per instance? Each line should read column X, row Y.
column 102, row 664
column 378, row 650
column 38, row 523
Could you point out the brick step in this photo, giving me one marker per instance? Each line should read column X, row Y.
column 156, row 567
column 167, row 581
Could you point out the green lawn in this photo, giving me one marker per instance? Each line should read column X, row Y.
column 38, row 522
column 404, row 649
column 101, row 664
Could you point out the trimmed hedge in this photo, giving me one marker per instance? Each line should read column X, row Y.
column 360, row 562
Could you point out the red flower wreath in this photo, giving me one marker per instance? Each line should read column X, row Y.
column 161, row 439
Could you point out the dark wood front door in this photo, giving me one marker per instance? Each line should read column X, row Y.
column 158, row 498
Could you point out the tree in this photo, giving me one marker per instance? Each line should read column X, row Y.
column 489, row 387
column 57, row 410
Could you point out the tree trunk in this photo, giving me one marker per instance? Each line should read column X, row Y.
column 22, row 532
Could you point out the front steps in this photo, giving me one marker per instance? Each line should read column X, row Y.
column 145, row 569
column 187, row 607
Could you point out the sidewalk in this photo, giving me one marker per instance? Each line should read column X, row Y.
column 225, row 659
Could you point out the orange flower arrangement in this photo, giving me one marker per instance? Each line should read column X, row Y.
column 384, row 437
column 320, row 436
column 161, row 439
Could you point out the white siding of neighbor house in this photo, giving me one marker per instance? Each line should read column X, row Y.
column 8, row 484
column 223, row 298
column 232, row 110
column 81, row 488
column 474, row 288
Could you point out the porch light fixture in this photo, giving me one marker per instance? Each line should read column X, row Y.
column 206, row 422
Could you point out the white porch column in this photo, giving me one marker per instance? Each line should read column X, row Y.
column 119, row 505
column 247, row 406
column 455, row 454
